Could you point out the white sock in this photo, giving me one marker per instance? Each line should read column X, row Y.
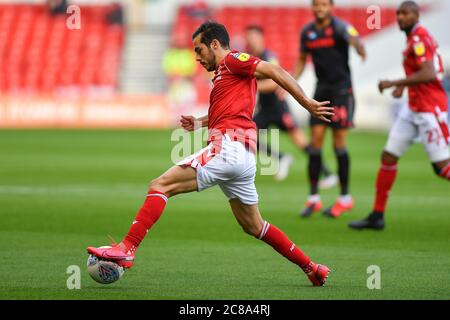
column 314, row 198
column 345, row 199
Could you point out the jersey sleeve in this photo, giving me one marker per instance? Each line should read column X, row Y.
column 241, row 63
column 345, row 31
column 423, row 50
column 303, row 48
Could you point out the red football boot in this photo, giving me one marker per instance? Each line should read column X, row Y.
column 115, row 254
column 318, row 275
column 310, row 208
column 338, row 208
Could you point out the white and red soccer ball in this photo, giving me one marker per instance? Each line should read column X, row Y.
column 103, row 271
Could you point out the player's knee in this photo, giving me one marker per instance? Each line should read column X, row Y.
column 442, row 169
column 160, row 184
column 388, row 158
column 316, row 143
column 436, row 169
column 339, row 143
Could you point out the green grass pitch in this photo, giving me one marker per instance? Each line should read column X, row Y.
column 61, row 191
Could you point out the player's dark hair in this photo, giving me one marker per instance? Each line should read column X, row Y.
column 411, row 5
column 331, row 2
column 254, row 27
column 211, row 30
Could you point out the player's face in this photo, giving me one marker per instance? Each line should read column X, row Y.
column 406, row 18
column 322, row 9
column 204, row 54
column 255, row 41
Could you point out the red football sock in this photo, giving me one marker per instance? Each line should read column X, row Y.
column 281, row 243
column 147, row 216
column 385, row 180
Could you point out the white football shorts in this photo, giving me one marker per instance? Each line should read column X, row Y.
column 228, row 164
column 430, row 128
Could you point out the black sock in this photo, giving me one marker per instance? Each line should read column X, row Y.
column 314, row 166
column 325, row 171
column 343, row 161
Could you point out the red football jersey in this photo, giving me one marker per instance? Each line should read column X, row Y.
column 232, row 99
column 428, row 96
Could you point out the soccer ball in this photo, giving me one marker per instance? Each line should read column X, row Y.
column 103, row 271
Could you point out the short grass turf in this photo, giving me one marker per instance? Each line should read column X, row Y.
column 61, row 191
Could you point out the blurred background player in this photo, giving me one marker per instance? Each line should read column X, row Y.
column 327, row 40
column 425, row 117
column 274, row 110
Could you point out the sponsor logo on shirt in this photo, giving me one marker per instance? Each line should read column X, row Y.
column 419, row 49
column 241, row 56
column 352, row 31
column 312, row 35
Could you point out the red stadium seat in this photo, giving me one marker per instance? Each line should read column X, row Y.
column 39, row 52
column 282, row 25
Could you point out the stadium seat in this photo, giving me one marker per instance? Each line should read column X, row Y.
column 42, row 54
column 281, row 25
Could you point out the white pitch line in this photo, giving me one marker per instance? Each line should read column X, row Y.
column 74, row 189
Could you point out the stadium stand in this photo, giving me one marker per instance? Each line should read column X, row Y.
column 39, row 53
column 282, row 25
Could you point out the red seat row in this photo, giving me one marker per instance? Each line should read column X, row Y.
column 39, row 52
column 282, row 25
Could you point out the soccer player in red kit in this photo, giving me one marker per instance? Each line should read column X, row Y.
column 426, row 116
column 229, row 158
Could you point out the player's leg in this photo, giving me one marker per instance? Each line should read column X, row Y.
column 344, row 202
column 435, row 136
column 252, row 223
column 442, row 169
column 284, row 121
column 342, row 120
column 178, row 179
column 284, row 160
column 313, row 203
column 400, row 138
column 262, row 122
column 299, row 139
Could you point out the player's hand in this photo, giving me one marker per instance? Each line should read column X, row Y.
column 188, row 122
column 363, row 54
column 398, row 92
column 320, row 109
column 384, row 84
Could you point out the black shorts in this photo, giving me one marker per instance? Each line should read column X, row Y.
column 344, row 107
column 278, row 116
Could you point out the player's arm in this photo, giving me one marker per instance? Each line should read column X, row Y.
column 190, row 123
column 287, row 82
column 425, row 74
column 351, row 35
column 356, row 43
column 300, row 65
column 267, row 86
column 398, row 91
